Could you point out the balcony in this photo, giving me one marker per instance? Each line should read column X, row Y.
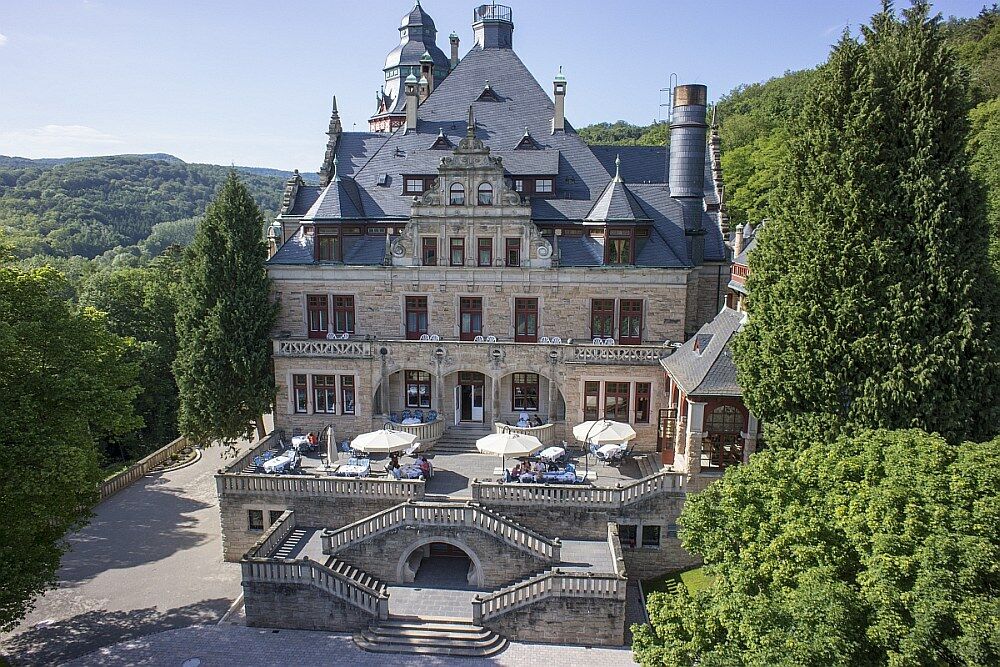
column 426, row 434
column 331, row 349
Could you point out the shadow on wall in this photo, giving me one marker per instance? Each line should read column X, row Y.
column 87, row 632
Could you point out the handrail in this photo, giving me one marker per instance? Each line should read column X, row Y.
column 308, row 485
column 663, row 481
column 274, row 536
column 412, row 514
column 545, row 433
column 552, row 583
column 310, row 573
column 140, row 468
column 258, row 448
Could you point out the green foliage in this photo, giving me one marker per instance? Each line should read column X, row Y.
column 756, row 111
column 224, row 321
column 91, row 205
column 66, row 382
column 872, row 549
column 751, row 173
column 621, row 133
column 977, row 43
column 984, row 147
column 870, row 297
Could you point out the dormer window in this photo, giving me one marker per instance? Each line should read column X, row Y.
column 414, row 186
column 543, row 185
column 485, row 194
column 618, row 247
column 456, row 196
column 327, row 247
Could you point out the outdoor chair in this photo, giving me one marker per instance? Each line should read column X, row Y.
column 258, row 461
column 419, row 414
column 432, row 416
column 394, row 417
column 424, row 337
column 491, row 339
column 435, row 337
column 597, row 341
column 609, row 341
column 557, row 340
column 478, row 339
column 331, row 336
column 406, row 414
column 544, row 339
column 268, row 455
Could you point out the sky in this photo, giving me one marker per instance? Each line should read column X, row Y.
column 250, row 82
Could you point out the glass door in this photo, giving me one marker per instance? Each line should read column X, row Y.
column 477, row 402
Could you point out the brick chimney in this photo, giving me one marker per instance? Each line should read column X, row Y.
column 410, row 89
column 559, row 95
column 453, row 38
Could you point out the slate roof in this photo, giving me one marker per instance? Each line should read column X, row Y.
column 749, row 243
column 617, row 203
column 710, row 371
column 374, row 162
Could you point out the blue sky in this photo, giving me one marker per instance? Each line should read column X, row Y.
column 249, row 82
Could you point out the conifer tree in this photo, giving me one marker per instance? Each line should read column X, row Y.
column 870, row 292
column 224, row 321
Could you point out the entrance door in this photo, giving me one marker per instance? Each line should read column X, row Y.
column 477, row 403
column 458, row 404
column 466, row 402
column 665, row 435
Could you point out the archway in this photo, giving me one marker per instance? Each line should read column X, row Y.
column 440, row 562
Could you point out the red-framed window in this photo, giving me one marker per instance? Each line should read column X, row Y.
column 524, row 391
column 429, row 251
column 544, row 186
column 300, row 394
column 512, row 251
column 456, row 254
column 618, row 246
column 318, row 315
column 643, row 396
column 325, row 393
column 602, row 318
column 418, row 389
column 343, row 314
column 485, row 252
column 347, row 395
column 616, row 395
column 526, row 320
column 470, row 313
column 413, row 186
column 591, row 400
column 328, row 247
column 416, row 317
column 630, row 321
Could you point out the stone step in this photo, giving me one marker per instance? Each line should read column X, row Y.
column 417, row 636
column 355, row 574
column 291, row 542
column 422, row 623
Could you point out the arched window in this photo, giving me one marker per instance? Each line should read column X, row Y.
column 485, row 194
column 724, row 419
column 457, row 197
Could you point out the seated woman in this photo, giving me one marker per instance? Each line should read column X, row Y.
column 312, row 440
column 425, row 466
column 535, row 421
column 515, row 473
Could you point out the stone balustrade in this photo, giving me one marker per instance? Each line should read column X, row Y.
column 306, row 486
column 268, row 442
column 412, row 514
column 664, row 481
column 426, row 434
column 333, row 349
column 141, row 468
column 545, row 433
column 619, row 354
column 274, row 536
column 553, row 583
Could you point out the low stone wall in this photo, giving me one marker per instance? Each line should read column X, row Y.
column 565, row 620
column 299, row 607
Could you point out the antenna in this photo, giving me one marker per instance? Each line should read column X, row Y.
column 673, row 87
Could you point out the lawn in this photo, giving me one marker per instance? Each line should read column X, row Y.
column 694, row 579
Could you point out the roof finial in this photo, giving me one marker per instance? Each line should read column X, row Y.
column 470, row 128
column 618, row 166
column 336, row 176
column 335, row 104
column 526, row 132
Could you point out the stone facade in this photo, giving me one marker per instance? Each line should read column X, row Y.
column 299, row 607
column 580, row 621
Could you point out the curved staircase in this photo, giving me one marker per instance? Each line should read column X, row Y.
column 430, row 637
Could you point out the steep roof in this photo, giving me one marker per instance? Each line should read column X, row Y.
column 703, row 366
column 617, row 203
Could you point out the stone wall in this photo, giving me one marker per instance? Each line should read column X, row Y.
column 565, row 620
column 299, row 607
column 498, row 563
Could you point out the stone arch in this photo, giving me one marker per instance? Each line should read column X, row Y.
column 405, row 573
column 503, row 378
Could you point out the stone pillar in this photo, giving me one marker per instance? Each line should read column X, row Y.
column 495, row 398
column 750, row 438
column 438, row 401
column 553, row 393
column 384, row 385
column 694, row 436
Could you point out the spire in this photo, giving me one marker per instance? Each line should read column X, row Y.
column 336, row 176
column 333, row 132
column 470, row 127
column 618, row 166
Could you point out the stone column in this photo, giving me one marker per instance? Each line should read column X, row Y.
column 495, row 399
column 694, row 436
column 438, row 400
column 553, row 395
column 384, row 385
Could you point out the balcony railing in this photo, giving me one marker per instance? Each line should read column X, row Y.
column 545, row 433
column 427, row 434
column 335, row 349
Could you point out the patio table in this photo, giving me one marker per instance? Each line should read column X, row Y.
column 278, row 463
column 299, row 440
column 409, row 421
column 552, row 454
column 608, row 450
column 353, row 470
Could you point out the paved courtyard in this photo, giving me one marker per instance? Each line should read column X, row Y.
column 150, row 560
column 216, row 646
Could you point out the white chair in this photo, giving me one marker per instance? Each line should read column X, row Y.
column 609, row 341
column 478, row 339
column 544, row 339
column 557, row 340
column 424, row 337
column 331, row 336
column 491, row 339
column 435, row 337
column 597, row 341
column 345, row 336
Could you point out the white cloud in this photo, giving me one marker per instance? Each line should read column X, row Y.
column 3, row 39
column 57, row 141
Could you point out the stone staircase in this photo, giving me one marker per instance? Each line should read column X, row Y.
column 430, row 637
column 461, row 438
column 291, row 543
column 355, row 574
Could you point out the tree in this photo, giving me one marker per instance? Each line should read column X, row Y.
column 870, row 291
column 224, row 320
column 65, row 384
column 984, row 146
column 875, row 548
column 752, row 172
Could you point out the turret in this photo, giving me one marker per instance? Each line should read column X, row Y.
column 559, row 96
column 493, row 26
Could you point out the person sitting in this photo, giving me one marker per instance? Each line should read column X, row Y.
column 539, row 467
column 425, row 466
column 515, row 472
column 393, row 462
column 535, row 421
column 312, row 440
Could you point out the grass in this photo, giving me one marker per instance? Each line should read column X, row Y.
column 694, row 580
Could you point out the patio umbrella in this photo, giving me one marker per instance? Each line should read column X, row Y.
column 603, row 432
column 383, row 441
column 508, row 444
column 331, row 446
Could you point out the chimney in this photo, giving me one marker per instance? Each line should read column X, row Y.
column 559, row 95
column 738, row 241
column 423, row 89
column 453, row 38
column 688, row 134
column 493, row 26
column 427, row 71
column 334, row 131
column 410, row 88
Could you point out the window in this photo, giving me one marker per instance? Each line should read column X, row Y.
column 723, row 446
column 602, row 318
column 255, row 519
column 630, row 321
column 513, row 251
column 343, row 314
column 485, row 194
column 627, row 535
column 416, row 317
column 518, row 185
column 327, row 247
column 618, row 251
column 591, row 400
column 456, row 194
column 325, row 393
column 526, row 320
column 616, row 401
column 470, row 317
column 724, row 419
column 524, row 391
column 429, row 247
column 273, row 516
column 418, row 389
column 457, row 254
column 543, row 185
column 300, row 394
column 414, row 185
column 485, row 247
column 347, row 394
column 642, row 397
column 671, row 530
column 317, row 309
column 651, row 537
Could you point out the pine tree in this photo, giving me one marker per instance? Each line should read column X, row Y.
column 871, row 294
column 224, row 321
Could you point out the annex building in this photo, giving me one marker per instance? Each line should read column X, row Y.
column 467, row 264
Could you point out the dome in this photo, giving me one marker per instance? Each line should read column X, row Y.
column 417, row 17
